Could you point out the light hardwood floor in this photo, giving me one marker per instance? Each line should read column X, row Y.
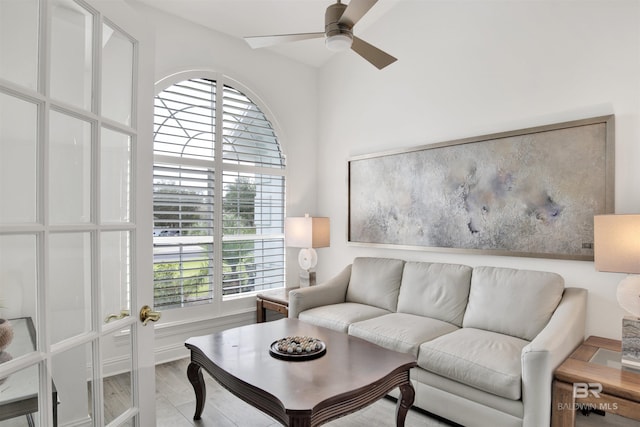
column 175, row 404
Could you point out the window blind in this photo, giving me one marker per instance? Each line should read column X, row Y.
column 248, row 137
column 183, row 218
column 184, row 120
column 253, row 224
column 249, row 245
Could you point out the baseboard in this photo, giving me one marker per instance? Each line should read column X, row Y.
column 170, row 338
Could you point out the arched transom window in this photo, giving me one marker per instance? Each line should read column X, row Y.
column 218, row 195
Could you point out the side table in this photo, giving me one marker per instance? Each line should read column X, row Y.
column 592, row 378
column 276, row 300
column 19, row 394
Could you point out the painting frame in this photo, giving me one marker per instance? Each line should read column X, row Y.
column 582, row 150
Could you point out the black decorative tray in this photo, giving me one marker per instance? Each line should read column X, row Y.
column 297, row 348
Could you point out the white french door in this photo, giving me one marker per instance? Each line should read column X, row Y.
column 75, row 213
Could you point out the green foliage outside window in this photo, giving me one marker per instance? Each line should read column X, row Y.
column 238, row 218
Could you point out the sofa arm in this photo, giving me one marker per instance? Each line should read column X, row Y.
column 333, row 291
column 559, row 338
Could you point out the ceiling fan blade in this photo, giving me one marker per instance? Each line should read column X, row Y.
column 375, row 56
column 266, row 41
column 355, row 10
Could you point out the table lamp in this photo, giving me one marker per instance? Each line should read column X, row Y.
column 617, row 249
column 307, row 233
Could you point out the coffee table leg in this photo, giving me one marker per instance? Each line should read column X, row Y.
column 197, row 381
column 407, row 394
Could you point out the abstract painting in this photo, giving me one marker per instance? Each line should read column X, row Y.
column 530, row 192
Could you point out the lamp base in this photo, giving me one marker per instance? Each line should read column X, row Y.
column 631, row 342
column 307, row 278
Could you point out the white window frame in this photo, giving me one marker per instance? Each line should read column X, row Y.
column 222, row 306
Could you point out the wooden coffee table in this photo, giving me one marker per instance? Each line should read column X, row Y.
column 351, row 375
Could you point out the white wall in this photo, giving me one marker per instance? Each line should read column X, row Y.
column 469, row 68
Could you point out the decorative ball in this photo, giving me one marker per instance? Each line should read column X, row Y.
column 298, row 345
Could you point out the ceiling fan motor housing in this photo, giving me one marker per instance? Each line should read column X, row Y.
column 332, row 16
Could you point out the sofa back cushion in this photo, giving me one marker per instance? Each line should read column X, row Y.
column 439, row 291
column 375, row 281
column 513, row 302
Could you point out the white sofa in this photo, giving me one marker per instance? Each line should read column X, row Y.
column 487, row 339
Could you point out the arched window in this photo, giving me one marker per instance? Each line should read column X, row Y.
column 218, row 195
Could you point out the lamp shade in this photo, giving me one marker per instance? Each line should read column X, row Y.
column 617, row 243
column 307, row 232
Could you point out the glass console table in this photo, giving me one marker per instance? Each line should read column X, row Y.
column 593, row 378
column 19, row 392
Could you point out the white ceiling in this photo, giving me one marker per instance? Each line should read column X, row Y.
column 240, row 18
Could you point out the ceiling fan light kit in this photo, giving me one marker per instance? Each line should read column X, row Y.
column 339, row 42
column 339, row 20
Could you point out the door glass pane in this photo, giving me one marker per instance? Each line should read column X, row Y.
column 115, row 181
column 70, row 170
column 116, row 358
column 72, row 376
column 19, row 394
column 70, row 284
column 115, row 273
column 71, row 53
column 19, row 42
column 18, row 277
column 18, row 159
column 117, row 75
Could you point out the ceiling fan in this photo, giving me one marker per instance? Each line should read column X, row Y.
column 339, row 20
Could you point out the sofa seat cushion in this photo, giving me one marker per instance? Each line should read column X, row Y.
column 400, row 331
column 339, row 316
column 486, row 360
